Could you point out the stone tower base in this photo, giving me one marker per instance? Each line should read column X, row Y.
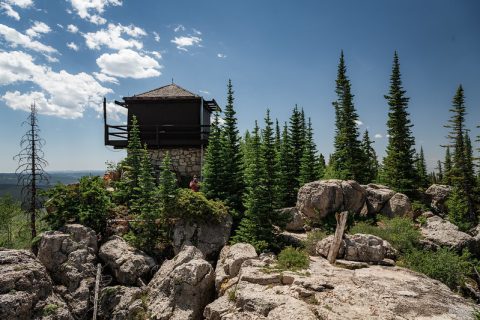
column 186, row 162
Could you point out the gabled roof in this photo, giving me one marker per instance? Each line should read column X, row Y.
column 171, row 91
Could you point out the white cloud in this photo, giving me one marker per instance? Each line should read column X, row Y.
column 156, row 36
column 104, row 78
column 72, row 28
column 183, row 42
column 72, row 46
column 179, row 28
column 50, row 58
column 92, row 9
column 359, row 123
column 59, row 25
column 15, row 38
column 378, row 136
column 114, row 111
column 156, row 54
column 204, row 92
column 221, row 55
column 127, row 63
column 8, row 10
column 112, row 37
column 37, row 29
column 197, row 32
column 21, row 3
column 60, row 94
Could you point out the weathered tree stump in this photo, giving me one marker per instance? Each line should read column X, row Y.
column 337, row 240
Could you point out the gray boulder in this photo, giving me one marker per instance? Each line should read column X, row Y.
column 208, row 236
column 127, row 264
column 438, row 194
column 182, row 287
column 296, row 221
column 399, row 205
column 121, row 303
column 71, row 264
column 377, row 196
column 359, row 247
column 318, row 199
column 445, row 234
column 26, row 288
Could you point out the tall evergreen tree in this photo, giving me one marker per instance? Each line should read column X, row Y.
column 167, row 187
column 212, row 185
column 288, row 180
column 296, row 139
column 447, row 172
column 231, row 156
column 460, row 168
column 440, row 172
column 256, row 227
column 347, row 157
column 269, row 156
column 399, row 163
column 421, row 167
column 321, row 166
column 278, row 137
column 308, row 168
column 371, row 161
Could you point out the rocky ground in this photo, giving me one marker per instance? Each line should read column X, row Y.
column 208, row 279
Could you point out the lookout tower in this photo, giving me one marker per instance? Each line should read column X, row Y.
column 170, row 119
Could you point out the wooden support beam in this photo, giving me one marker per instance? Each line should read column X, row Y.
column 337, row 240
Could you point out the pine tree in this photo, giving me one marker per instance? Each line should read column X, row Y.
column 421, row 167
column 143, row 203
column 231, row 162
column 296, row 139
column 347, row 157
column 370, row 161
column 440, row 172
column 308, row 166
column 288, row 181
column 167, row 187
column 399, row 163
column 278, row 137
column 321, row 166
column 269, row 156
column 459, row 173
column 256, row 227
column 212, row 184
column 447, row 173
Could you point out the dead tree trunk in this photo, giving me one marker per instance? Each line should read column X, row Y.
column 337, row 240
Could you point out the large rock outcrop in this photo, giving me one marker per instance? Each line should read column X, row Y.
column 296, row 220
column 445, row 234
column 437, row 194
column 359, row 247
column 208, row 236
column 398, row 206
column 121, row 303
column 26, row 289
column 329, row 292
column 70, row 258
column 182, row 287
column 377, row 196
column 127, row 264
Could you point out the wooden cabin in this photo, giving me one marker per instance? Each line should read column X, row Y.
column 171, row 119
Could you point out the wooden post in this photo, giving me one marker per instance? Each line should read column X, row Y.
column 97, row 288
column 337, row 240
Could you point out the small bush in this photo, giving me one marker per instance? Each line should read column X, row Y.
column 195, row 206
column 293, row 259
column 312, row 239
column 457, row 205
column 443, row 265
column 400, row 232
column 50, row 309
column 232, row 295
column 419, row 207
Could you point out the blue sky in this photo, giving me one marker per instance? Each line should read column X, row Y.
column 66, row 55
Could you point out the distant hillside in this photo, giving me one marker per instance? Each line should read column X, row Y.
column 8, row 181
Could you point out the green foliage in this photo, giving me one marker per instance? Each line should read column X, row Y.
column 195, row 206
column 345, row 159
column 443, row 265
column 293, row 259
column 457, row 205
column 419, row 207
column 87, row 202
column 312, row 239
column 49, row 309
column 296, row 139
column 321, row 166
column 167, row 188
column 447, row 176
column 371, row 161
column 308, row 162
column 269, row 156
column 399, row 164
column 400, row 232
column 212, row 184
column 287, row 180
column 232, row 295
column 421, row 167
column 14, row 229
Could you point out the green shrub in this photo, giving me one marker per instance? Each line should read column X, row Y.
column 400, row 232
column 457, row 205
column 50, row 309
column 293, row 259
column 443, row 265
column 87, row 202
column 312, row 238
column 192, row 205
column 419, row 207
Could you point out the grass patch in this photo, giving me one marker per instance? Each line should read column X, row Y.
column 232, row 295
column 50, row 309
column 293, row 259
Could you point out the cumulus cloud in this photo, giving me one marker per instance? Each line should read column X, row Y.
column 72, row 28
column 156, row 36
column 91, row 10
column 72, row 46
column 9, row 11
column 221, row 55
column 114, row 111
column 37, row 29
column 179, row 28
column 186, row 41
column 21, row 3
column 60, row 94
column 378, row 136
column 15, row 38
column 112, row 37
column 127, row 63
column 104, row 78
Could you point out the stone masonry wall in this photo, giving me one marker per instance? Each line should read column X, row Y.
column 186, row 162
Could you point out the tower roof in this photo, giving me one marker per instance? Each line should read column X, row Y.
column 171, row 91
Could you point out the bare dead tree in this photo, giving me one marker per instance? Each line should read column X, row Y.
column 31, row 167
